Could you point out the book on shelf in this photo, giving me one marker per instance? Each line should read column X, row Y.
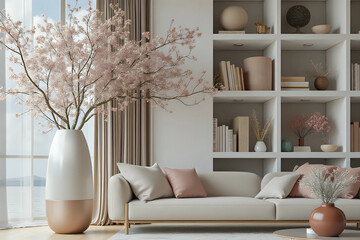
column 234, row 143
column 356, row 137
column 351, row 137
column 231, row 32
column 232, row 77
column 215, row 123
column 241, row 128
column 295, row 89
column 229, row 140
column 292, row 79
column 355, row 76
column 295, row 84
column 223, row 74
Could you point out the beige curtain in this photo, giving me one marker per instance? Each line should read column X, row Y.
column 122, row 136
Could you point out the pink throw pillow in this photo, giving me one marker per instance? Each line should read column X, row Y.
column 185, row 183
column 352, row 190
column 305, row 171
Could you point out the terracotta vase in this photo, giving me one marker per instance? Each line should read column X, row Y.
column 301, row 142
column 327, row 220
column 321, row 83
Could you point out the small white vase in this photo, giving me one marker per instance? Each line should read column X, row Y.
column 260, row 146
column 69, row 183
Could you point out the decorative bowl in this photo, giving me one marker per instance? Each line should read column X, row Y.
column 328, row 148
column 321, row 29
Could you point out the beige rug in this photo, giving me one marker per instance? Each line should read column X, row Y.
column 200, row 232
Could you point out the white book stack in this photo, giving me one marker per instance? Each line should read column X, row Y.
column 223, row 138
column 294, row 84
column 355, row 76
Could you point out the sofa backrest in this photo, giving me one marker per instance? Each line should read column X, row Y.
column 267, row 178
column 240, row 184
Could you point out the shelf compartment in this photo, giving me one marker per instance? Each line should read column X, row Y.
column 355, row 18
column 237, row 57
column 335, row 110
column 288, row 164
column 226, row 112
column 259, row 166
column 312, row 155
column 244, row 96
column 295, row 62
column 241, row 42
column 259, row 10
column 244, row 155
column 355, row 162
column 322, row 12
column 311, row 96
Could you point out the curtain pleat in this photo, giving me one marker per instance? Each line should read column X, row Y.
column 122, row 136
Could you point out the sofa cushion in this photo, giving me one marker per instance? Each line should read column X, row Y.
column 210, row 208
column 305, row 171
column 279, row 187
column 147, row 183
column 301, row 208
column 237, row 184
column 268, row 177
column 352, row 190
column 185, row 183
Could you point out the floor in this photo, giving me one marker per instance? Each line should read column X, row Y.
column 45, row 233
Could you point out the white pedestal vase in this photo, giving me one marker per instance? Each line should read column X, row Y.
column 260, row 146
column 69, row 183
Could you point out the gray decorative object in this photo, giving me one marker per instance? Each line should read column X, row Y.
column 298, row 16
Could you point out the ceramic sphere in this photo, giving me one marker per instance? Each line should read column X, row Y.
column 298, row 16
column 234, row 18
column 321, row 83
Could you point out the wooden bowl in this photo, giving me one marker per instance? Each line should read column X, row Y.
column 328, row 148
column 321, row 29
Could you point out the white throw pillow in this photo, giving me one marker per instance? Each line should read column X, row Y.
column 147, row 183
column 279, row 187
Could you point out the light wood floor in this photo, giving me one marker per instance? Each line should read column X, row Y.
column 45, row 233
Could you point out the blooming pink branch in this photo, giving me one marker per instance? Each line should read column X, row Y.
column 302, row 125
column 71, row 70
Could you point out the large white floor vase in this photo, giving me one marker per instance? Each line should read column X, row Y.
column 69, row 183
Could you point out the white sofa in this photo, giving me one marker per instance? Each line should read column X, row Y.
column 230, row 199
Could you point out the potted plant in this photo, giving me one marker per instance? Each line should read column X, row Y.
column 260, row 133
column 70, row 71
column 327, row 220
column 303, row 125
column 321, row 75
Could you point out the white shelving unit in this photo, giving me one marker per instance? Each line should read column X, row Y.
column 336, row 50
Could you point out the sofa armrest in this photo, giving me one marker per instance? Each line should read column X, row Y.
column 119, row 194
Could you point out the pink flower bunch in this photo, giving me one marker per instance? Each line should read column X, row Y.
column 318, row 122
column 70, row 71
column 302, row 125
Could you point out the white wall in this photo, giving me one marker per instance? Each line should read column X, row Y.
column 183, row 139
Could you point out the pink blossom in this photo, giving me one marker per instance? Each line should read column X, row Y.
column 70, row 71
column 302, row 125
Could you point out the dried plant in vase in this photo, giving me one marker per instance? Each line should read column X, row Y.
column 327, row 220
column 303, row 125
column 260, row 133
column 321, row 74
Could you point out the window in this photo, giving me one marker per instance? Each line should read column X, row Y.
column 26, row 147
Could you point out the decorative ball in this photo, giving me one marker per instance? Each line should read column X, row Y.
column 234, row 18
column 286, row 146
column 298, row 16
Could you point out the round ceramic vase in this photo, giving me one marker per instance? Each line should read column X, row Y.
column 260, row 146
column 234, row 18
column 286, row 146
column 327, row 220
column 69, row 183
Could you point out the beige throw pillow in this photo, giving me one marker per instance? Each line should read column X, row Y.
column 147, row 183
column 279, row 187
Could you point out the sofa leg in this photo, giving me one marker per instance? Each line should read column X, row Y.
column 126, row 224
column 358, row 225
